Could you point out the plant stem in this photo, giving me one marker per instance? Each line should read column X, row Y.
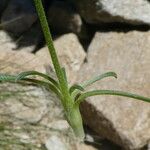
column 72, row 111
column 52, row 51
column 74, row 118
column 48, row 37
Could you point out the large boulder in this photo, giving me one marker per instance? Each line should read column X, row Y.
column 26, row 111
column 30, row 116
column 105, row 11
column 122, row 120
column 19, row 16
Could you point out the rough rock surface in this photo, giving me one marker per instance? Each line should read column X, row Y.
column 19, row 61
column 122, row 120
column 30, row 117
column 18, row 16
column 56, row 145
column 105, row 11
column 70, row 52
column 6, row 42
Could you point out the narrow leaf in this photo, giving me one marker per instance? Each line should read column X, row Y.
column 7, row 78
column 83, row 96
column 28, row 73
column 75, row 87
column 12, row 78
column 97, row 78
column 93, row 80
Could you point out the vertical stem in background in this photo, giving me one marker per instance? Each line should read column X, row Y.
column 52, row 51
column 48, row 37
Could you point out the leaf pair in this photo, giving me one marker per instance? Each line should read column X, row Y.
column 85, row 95
column 79, row 90
column 76, row 89
column 49, row 82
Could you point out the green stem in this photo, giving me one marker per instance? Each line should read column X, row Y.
column 72, row 112
column 52, row 51
column 74, row 118
column 48, row 37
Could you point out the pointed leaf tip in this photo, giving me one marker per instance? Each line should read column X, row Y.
column 75, row 87
column 85, row 95
column 23, row 75
column 97, row 78
column 7, row 78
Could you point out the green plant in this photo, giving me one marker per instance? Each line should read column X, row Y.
column 70, row 96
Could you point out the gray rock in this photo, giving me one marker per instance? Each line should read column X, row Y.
column 121, row 120
column 18, row 16
column 63, row 18
column 30, row 116
column 32, row 105
column 6, row 42
column 55, row 143
column 105, row 11
column 27, row 103
column 15, row 62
